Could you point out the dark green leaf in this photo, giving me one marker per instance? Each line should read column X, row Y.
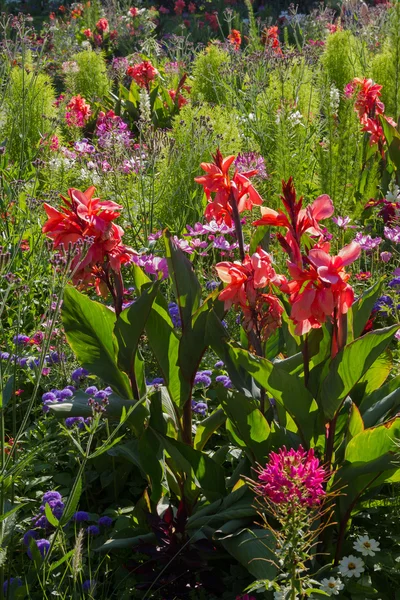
column 362, row 307
column 207, row 427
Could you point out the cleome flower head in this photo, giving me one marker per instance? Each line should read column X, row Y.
column 293, row 476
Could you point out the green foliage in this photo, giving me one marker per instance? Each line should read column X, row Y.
column 341, row 58
column 208, row 73
column 196, row 133
column 91, row 81
column 29, row 110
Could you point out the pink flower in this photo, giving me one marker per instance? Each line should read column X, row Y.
column 385, row 256
column 179, row 7
column 133, row 11
column 102, row 25
column 142, row 73
column 293, row 477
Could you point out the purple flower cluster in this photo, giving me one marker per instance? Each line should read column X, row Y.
column 203, row 378
column 79, row 374
column 11, row 583
column 392, row 234
column 152, row 265
column 43, row 546
column 54, row 500
column 251, row 161
column 200, row 408
column 366, row 242
column 383, row 304
column 57, row 396
column 156, row 382
column 173, row 310
column 112, row 132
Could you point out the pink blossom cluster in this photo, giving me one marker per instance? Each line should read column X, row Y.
column 293, row 476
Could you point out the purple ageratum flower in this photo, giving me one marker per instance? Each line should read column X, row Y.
column 395, row 283
column 93, row 530
column 13, row 582
column 392, row 234
column 20, row 339
column 91, row 390
column 43, row 546
column 203, row 378
column 366, row 242
column 4, row 355
column 65, row 393
column 383, row 304
column 79, row 374
column 81, row 516
column 105, row 521
column 88, row 585
column 70, row 422
column 101, row 395
column 212, row 285
column 51, row 496
column 200, row 408
column 219, row 364
column 31, row 534
column 157, row 381
column 49, row 397
column 173, row 310
column 224, row 379
column 251, row 161
column 155, row 236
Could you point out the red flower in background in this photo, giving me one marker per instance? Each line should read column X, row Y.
column 133, row 12
column 225, row 189
column 179, row 7
column 142, row 73
column 321, row 291
column 212, row 20
column 87, row 33
column 270, row 38
column 83, row 218
column 191, row 8
column 296, row 220
column 235, row 38
column 181, row 99
column 102, row 25
column 78, row 111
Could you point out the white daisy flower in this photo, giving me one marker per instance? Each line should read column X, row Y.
column 351, row 566
column 331, row 586
column 365, row 545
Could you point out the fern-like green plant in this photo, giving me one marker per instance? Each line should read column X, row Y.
column 341, row 58
column 29, row 112
column 91, row 80
column 208, row 86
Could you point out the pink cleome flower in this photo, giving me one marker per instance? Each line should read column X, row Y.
column 292, row 477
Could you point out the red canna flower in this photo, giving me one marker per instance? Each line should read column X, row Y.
column 225, row 189
column 235, row 38
column 142, row 73
column 102, row 25
column 296, row 220
column 181, row 99
column 245, row 284
column 179, row 7
column 87, row 33
column 191, row 7
column 321, row 291
column 87, row 217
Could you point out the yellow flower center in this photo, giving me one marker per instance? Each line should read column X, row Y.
column 367, row 544
column 331, row 585
column 351, row 566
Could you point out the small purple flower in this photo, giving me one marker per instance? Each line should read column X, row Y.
column 154, row 236
column 397, row 335
column 79, row 374
column 43, row 547
column 251, row 161
column 4, row 355
column 13, row 582
column 108, row 391
column 157, row 381
column 105, row 521
column 342, row 222
column 212, row 285
column 93, row 530
column 21, row 340
column 91, row 390
column 224, row 379
column 198, row 229
column 383, row 304
column 23, row 361
column 51, row 496
column 199, row 408
column 183, row 245
column 88, row 585
column 65, row 393
column 49, row 397
column 392, row 234
column 394, row 283
column 385, row 256
column 366, row 242
column 70, row 422
column 81, row 516
column 219, row 364
column 29, row 535
column 203, row 378
column 173, row 310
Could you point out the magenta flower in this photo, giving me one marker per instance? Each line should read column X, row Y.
column 293, row 476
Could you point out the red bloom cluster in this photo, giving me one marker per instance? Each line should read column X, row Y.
column 212, row 20
column 192, row 7
column 270, row 38
column 87, row 33
column 321, row 291
column 181, row 99
column 369, row 107
column 246, row 282
column 293, row 477
column 86, row 217
column 78, row 112
column 142, row 73
column 297, row 220
column 179, row 7
column 238, row 189
column 235, row 38
column 133, row 12
column 102, row 26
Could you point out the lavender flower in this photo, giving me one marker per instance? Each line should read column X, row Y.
column 199, row 408
column 21, row 340
column 31, row 534
column 366, row 242
column 173, row 310
column 81, row 516
column 342, row 222
column 93, row 530
column 43, row 547
column 203, row 378
column 224, row 379
column 392, row 234
column 219, row 364
column 70, row 422
column 251, row 161
column 105, row 521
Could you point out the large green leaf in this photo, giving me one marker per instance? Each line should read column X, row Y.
column 362, row 307
column 373, row 442
column 254, row 549
column 207, row 427
column 236, row 505
column 382, row 401
column 165, row 343
column 350, row 365
column 186, row 285
column 89, row 329
column 251, row 427
column 374, row 378
column 128, row 329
